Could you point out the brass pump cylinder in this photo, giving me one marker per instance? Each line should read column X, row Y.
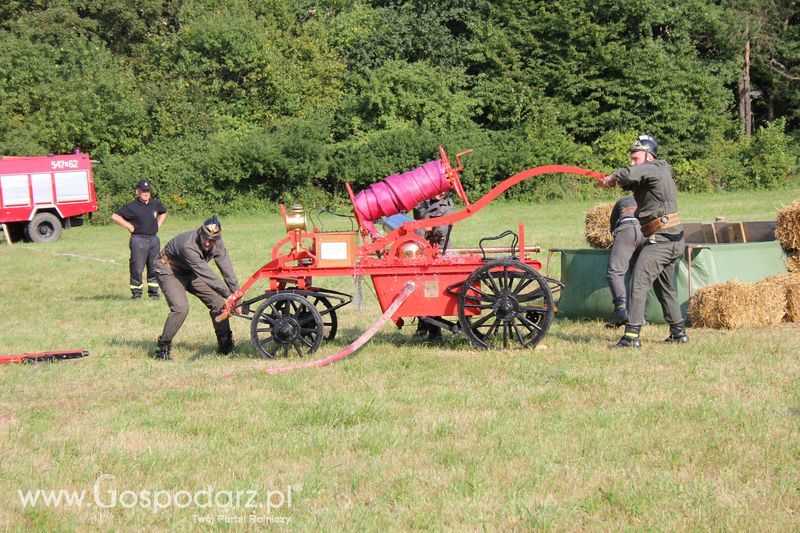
column 296, row 218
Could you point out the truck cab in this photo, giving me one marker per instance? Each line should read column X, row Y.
column 41, row 195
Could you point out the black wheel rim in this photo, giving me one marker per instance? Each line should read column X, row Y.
column 286, row 324
column 45, row 230
column 330, row 323
column 505, row 304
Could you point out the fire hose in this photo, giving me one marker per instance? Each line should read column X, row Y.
column 408, row 288
column 42, row 356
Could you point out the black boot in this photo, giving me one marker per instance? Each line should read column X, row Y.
column 434, row 333
column 225, row 343
column 163, row 349
column 631, row 337
column 620, row 316
column 677, row 333
column 423, row 328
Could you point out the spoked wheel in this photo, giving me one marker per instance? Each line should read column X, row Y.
column 505, row 303
column 329, row 321
column 286, row 323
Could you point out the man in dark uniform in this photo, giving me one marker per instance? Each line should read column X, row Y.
column 183, row 267
column 438, row 206
column 653, row 187
column 143, row 218
column 627, row 240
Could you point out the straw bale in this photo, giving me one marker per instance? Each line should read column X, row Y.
column 793, row 302
column 790, row 283
column 722, row 306
column 769, row 303
column 788, row 226
column 734, row 305
column 598, row 233
column 793, row 261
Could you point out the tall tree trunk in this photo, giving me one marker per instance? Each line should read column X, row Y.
column 745, row 98
column 771, row 107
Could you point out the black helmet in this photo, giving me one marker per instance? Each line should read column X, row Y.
column 211, row 228
column 645, row 143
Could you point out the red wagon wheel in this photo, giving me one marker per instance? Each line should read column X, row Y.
column 286, row 323
column 504, row 303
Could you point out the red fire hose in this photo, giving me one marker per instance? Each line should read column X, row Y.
column 408, row 288
column 42, row 356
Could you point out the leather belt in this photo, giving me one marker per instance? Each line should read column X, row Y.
column 660, row 224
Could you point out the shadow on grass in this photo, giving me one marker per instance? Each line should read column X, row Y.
column 588, row 338
column 398, row 338
column 199, row 350
column 458, row 340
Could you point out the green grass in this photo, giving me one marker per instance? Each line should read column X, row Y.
column 403, row 435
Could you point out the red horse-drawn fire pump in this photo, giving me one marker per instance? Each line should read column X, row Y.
column 493, row 295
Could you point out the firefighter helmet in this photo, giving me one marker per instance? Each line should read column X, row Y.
column 645, row 143
column 211, row 228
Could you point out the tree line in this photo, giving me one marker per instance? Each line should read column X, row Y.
column 237, row 103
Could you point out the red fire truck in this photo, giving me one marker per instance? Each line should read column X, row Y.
column 41, row 195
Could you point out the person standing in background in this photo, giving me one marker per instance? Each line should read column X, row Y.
column 142, row 218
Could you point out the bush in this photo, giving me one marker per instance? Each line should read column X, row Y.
column 726, row 164
column 774, row 164
column 611, row 149
column 370, row 158
column 692, row 176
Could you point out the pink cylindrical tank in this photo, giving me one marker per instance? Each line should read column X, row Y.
column 402, row 192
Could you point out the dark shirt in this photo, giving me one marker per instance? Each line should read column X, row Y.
column 186, row 256
column 653, row 187
column 624, row 203
column 432, row 209
column 143, row 216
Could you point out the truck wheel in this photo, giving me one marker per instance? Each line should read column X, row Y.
column 45, row 227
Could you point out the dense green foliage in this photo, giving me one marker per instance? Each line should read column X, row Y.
column 237, row 102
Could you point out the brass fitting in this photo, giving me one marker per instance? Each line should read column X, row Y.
column 296, row 218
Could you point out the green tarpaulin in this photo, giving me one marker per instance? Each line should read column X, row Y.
column 586, row 293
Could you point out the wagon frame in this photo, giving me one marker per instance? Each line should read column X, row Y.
column 497, row 302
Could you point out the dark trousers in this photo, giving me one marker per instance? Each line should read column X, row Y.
column 144, row 251
column 175, row 288
column 627, row 241
column 655, row 267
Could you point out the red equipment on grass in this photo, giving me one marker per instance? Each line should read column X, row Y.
column 41, row 357
column 495, row 301
column 44, row 194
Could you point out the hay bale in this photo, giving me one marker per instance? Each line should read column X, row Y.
column 788, row 226
column 790, row 283
column 598, row 234
column 722, row 306
column 769, row 303
column 793, row 302
column 793, row 261
column 734, row 305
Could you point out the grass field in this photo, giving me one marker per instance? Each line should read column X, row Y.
column 704, row 436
